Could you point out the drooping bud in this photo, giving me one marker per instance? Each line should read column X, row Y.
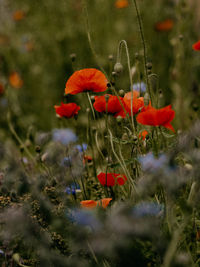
column 118, row 68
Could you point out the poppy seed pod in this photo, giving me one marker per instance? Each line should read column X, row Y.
column 146, row 99
column 118, row 68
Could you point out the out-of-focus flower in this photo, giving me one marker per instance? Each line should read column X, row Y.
column 87, row 159
column 66, row 162
column 121, row 3
column 143, row 134
column 64, row 136
column 4, row 40
column 152, row 164
column 18, row 15
column 137, row 103
column 67, row 110
column 157, row 117
column 15, row 80
column 86, row 80
column 164, row 26
column 139, row 87
column 81, row 148
column 196, row 46
column 112, row 106
column 2, row 252
column 111, row 179
column 90, row 204
column 72, row 189
column 1, row 89
column 148, row 209
column 84, row 217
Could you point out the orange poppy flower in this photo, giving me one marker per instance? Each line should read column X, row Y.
column 138, row 102
column 67, row 110
column 86, row 80
column 87, row 159
column 18, row 15
column 1, row 89
column 157, row 117
column 113, row 105
column 121, row 3
column 90, row 204
column 111, row 179
column 164, row 26
column 196, row 46
column 143, row 134
column 15, row 80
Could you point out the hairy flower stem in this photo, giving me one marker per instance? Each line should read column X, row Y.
column 87, row 25
column 144, row 47
column 91, row 106
column 123, row 42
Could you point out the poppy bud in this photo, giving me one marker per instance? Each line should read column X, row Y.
column 119, row 119
column 121, row 93
column 92, row 97
column 106, row 98
column 114, row 73
column 188, row 166
column 73, row 57
column 146, row 99
column 118, row 68
column 44, row 157
column 149, row 65
column 110, row 57
column 180, row 37
column 37, row 149
column 137, row 56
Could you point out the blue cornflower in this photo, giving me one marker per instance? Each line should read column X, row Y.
column 140, row 87
column 64, row 136
column 81, row 148
column 152, row 164
column 148, row 209
column 72, row 189
column 84, row 218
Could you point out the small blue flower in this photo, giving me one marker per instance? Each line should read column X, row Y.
column 152, row 164
column 81, row 148
column 2, row 252
column 140, row 87
column 64, row 136
column 84, row 218
column 148, row 209
column 72, row 189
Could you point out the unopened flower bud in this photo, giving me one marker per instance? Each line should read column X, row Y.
column 121, row 93
column 110, row 57
column 119, row 119
column 73, row 57
column 149, row 65
column 118, row 68
column 106, row 98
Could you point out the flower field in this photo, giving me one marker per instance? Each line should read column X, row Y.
column 99, row 133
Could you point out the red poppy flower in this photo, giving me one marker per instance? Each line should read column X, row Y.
column 143, row 134
column 15, row 80
column 138, row 102
column 196, row 46
column 164, row 26
column 90, row 204
column 121, row 3
column 157, row 117
column 67, row 110
column 110, row 179
column 113, row 105
column 86, row 80
column 1, row 89
column 18, row 15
